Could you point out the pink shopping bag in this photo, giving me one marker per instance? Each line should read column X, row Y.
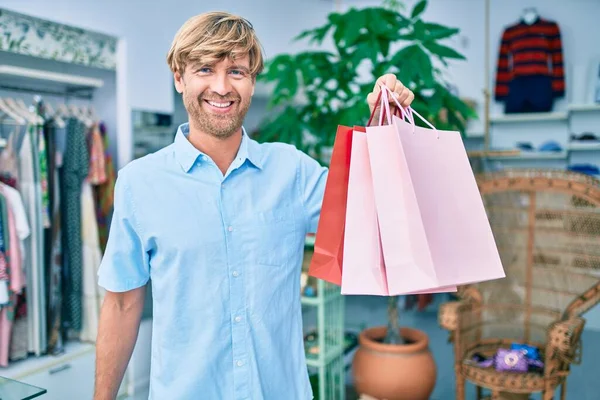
column 364, row 270
column 449, row 240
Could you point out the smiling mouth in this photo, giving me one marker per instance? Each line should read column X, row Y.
column 219, row 104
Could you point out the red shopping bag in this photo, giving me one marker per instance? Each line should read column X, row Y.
column 326, row 261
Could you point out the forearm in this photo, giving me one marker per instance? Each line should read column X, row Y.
column 117, row 334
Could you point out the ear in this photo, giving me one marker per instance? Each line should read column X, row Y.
column 178, row 80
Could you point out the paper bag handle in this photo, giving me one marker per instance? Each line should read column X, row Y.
column 409, row 111
column 384, row 106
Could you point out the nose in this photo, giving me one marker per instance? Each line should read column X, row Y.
column 220, row 84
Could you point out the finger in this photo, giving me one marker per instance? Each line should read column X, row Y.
column 399, row 87
column 409, row 99
column 390, row 81
column 403, row 96
column 372, row 99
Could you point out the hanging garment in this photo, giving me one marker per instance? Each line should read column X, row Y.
column 55, row 271
column 32, row 305
column 16, row 285
column 104, row 194
column 97, row 173
column 9, row 162
column 4, row 267
column 15, row 202
column 43, row 176
column 19, row 332
column 74, row 170
column 55, row 290
column 92, row 293
column 528, row 50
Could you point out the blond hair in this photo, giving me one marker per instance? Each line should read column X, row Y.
column 213, row 36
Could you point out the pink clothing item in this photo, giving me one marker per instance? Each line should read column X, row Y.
column 97, row 174
column 17, row 276
column 3, row 268
column 5, row 333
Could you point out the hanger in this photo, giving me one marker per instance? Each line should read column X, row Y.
column 77, row 113
column 92, row 113
column 31, row 111
column 19, row 120
column 52, row 114
column 530, row 15
column 22, row 112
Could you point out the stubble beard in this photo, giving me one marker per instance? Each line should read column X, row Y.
column 218, row 126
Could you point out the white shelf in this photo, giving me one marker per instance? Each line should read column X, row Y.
column 584, row 107
column 584, row 146
column 14, row 72
column 474, row 134
column 530, row 117
column 532, row 155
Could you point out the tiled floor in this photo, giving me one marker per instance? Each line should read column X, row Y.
column 583, row 383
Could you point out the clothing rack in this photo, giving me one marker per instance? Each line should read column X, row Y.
column 43, row 330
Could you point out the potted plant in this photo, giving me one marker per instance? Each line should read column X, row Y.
column 316, row 90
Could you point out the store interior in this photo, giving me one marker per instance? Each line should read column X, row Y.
column 85, row 89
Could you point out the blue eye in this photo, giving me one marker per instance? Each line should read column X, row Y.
column 204, row 70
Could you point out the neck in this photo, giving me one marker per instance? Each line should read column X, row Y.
column 221, row 150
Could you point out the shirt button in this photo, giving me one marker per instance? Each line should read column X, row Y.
column 230, row 228
column 239, row 363
column 238, row 318
column 235, row 273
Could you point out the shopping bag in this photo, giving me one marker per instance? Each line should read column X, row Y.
column 326, row 262
column 363, row 270
column 450, row 236
column 408, row 264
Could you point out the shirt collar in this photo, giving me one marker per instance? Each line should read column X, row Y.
column 187, row 154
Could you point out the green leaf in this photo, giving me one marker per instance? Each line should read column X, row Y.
column 437, row 31
column 419, row 8
column 424, row 67
column 443, row 51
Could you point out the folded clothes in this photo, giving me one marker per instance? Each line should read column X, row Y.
column 589, row 169
column 550, row 145
column 527, row 146
column 511, row 360
column 585, row 136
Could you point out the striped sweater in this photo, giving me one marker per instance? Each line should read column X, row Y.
column 534, row 49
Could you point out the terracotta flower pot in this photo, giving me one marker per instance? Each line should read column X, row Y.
column 394, row 372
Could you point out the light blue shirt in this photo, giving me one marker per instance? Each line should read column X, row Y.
column 224, row 255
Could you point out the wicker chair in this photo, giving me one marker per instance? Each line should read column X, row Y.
column 547, row 229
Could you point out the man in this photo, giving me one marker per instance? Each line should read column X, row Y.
column 218, row 222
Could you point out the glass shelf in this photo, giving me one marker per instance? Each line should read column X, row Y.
column 15, row 390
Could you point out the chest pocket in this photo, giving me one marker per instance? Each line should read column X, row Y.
column 270, row 236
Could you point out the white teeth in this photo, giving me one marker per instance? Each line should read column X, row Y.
column 220, row 105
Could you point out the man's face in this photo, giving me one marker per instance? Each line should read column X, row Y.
column 217, row 97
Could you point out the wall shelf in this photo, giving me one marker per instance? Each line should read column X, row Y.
column 584, row 146
column 13, row 71
column 531, row 155
column 530, row 117
column 584, row 107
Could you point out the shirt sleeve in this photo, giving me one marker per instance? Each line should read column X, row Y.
column 312, row 182
column 125, row 264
